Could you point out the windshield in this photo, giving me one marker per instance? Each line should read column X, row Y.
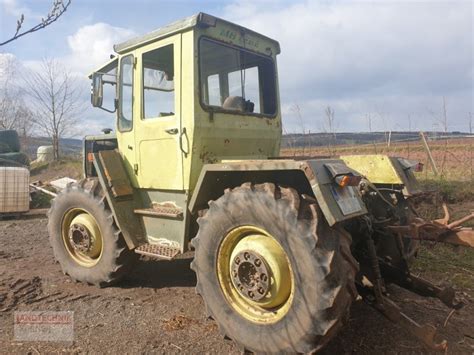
column 236, row 80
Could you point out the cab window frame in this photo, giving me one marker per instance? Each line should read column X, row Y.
column 143, row 102
column 218, row 109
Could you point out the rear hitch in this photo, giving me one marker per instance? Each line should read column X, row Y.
column 376, row 295
column 420, row 286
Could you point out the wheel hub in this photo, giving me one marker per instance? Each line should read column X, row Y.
column 80, row 237
column 251, row 275
column 255, row 274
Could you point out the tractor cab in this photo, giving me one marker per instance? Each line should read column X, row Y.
column 198, row 91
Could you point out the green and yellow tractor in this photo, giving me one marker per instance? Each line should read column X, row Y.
column 281, row 246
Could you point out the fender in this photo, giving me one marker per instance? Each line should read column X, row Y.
column 314, row 178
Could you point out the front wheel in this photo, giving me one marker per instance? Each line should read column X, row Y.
column 85, row 239
column 272, row 273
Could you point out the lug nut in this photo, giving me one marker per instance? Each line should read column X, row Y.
column 237, row 260
column 263, row 277
column 251, row 295
column 246, row 256
column 258, row 262
column 261, row 290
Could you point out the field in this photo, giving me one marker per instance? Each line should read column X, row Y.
column 454, row 158
column 156, row 310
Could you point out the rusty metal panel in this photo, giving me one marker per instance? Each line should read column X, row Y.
column 123, row 209
column 115, row 174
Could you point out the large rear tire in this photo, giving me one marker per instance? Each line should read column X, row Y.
column 258, row 230
column 85, row 239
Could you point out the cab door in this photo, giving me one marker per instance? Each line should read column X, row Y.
column 126, row 116
column 158, row 130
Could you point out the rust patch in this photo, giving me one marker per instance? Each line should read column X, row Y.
column 307, row 171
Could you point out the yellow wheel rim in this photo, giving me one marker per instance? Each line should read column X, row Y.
column 255, row 274
column 82, row 237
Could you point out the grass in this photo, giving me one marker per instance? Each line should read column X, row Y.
column 49, row 171
column 46, row 172
column 451, row 191
column 446, row 264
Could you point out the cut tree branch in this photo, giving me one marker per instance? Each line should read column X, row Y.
column 57, row 10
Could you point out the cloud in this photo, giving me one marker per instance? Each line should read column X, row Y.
column 365, row 57
column 12, row 7
column 92, row 45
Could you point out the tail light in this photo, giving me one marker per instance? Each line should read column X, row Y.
column 348, row 180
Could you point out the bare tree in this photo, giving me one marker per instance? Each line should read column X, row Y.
column 409, row 130
column 55, row 100
column 14, row 114
column 330, row 128
column 57, row 9
column 470, row 146
column 368, row 116
column 442, row 121
column 297, row 111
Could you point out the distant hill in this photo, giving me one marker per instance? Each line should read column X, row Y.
column 322, row 139
column 68, row 146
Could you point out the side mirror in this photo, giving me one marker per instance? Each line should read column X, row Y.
column 97, row 90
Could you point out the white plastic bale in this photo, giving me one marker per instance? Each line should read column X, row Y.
column 14, row 189
column 44, row 154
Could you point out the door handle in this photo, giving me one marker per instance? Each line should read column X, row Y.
column 171, row 131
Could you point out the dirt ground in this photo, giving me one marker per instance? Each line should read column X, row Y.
column 156, row 308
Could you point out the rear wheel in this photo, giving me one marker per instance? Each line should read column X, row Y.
column 272, row 273
column 85, row 239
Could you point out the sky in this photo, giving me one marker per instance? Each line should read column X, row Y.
column 380, row 65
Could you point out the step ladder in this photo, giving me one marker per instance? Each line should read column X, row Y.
column 163, row 211
column 160, row 251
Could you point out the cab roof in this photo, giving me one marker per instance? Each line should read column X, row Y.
column 200, row 19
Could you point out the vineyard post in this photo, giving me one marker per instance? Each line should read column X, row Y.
column 428, row 152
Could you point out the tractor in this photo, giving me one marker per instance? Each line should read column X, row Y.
column 282, row 247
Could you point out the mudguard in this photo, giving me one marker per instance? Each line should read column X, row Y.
column 311, row 177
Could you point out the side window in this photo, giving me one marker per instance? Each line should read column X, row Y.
column 126, row 94
column 158, row 83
